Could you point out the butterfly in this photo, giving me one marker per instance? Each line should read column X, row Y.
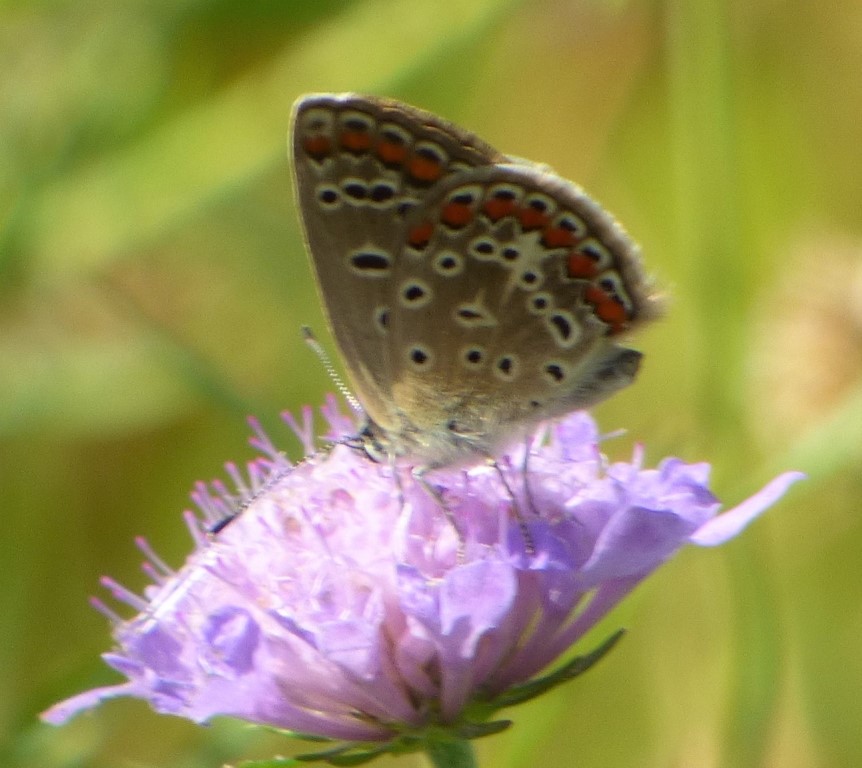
column 472, row 295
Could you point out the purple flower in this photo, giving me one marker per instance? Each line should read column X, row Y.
column 340, row 605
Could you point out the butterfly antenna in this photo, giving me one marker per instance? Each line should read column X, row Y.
column 316, row 347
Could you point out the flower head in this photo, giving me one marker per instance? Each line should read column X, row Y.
column 341, row 603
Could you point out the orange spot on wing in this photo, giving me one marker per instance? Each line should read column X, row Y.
column 558, row 237
column 356, row 141
column 530, row 218
column 612, row 312
column 607, row 308
column 420, row 235
column 580, row 265
column 424, row 168
column 456, row 215
column 498, row 207
column 595, row 295
column 317, row 146
column 391, row 152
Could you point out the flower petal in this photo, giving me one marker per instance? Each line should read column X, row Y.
column 728, row 524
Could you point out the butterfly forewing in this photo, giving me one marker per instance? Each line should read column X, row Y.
column 360, row 166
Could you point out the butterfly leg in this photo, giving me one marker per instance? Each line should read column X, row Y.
column 419, row 475
column 528, row 489
column 516, row 508
column 396, row 476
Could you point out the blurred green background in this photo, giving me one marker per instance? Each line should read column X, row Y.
column 152, row 284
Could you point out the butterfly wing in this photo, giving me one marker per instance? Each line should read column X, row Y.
column 360, row 165
column 510, row 289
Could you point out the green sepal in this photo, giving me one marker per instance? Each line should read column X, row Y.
column 569, row 671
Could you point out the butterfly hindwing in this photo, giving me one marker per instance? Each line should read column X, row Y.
column 507, row 313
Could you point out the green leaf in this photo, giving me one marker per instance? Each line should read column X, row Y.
column 275, row 762
column 351, row 753
column 575, row 667
column 480, row 730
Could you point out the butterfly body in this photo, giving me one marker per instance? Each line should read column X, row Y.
column 471, row 295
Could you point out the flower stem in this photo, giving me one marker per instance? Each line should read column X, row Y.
column 451, row 753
